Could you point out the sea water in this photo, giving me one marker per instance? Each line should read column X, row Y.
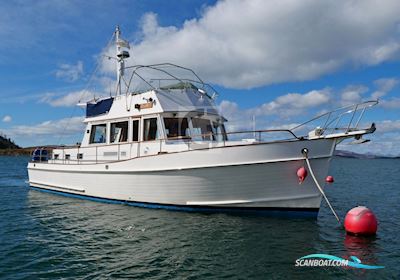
column 50, row 236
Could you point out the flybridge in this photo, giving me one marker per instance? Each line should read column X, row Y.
column 155, row 88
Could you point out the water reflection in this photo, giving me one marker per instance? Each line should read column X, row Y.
column 362, row 247
column 129, row 241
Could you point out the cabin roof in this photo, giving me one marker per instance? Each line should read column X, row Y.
column 185, row 100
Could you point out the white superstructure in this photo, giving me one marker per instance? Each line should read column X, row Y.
column 161, row 142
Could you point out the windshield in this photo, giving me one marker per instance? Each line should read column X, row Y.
column 202, row 129
column 176, row 128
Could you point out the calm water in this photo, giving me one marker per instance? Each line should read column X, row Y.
column 50, row 236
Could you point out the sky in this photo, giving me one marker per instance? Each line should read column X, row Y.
column 278, row 62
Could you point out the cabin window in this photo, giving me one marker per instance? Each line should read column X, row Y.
column 176, row 128
column 219, row 131
column 98, row 135
column 135, row 131
column 79, row 156
column 202, row 129
column 56, row 156
column 119, row 132
column 150, row 131
column 67, row 156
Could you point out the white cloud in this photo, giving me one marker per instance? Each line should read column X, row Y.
column 276, row 113
column 388, row 126
column 244, row 44
column 352, row 94
column 228, row 108
column 54, row 128
column 70, row 99
column 392, row 103
column 386, row 84
column 290, row 104
column 70, row 72
column 383, row 87
column 238, row 119
column 377, row 94
column 293, row 104
column 7, row 118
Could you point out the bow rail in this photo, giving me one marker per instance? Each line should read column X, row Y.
column 345, row 119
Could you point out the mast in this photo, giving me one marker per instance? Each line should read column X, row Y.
column 122, row 47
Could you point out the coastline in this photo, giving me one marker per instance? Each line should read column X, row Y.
column 17, row 152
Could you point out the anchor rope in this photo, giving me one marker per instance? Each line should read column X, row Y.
column 305, row 153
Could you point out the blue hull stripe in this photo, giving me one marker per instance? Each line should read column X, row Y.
column 267, row 211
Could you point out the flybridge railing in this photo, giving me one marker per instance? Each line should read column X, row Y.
column 203, row 88
column 164, row 69
column 344, row 119
column 131, row 150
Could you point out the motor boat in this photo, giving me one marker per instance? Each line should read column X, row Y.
column 160, row 142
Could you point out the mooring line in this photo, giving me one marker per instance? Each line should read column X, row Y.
column 305, row 153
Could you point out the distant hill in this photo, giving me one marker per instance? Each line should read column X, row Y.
column 348, row 154
column 7, row 143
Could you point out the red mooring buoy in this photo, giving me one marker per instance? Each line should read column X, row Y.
column 360, row 221
column 301, row 174
column 329, row 179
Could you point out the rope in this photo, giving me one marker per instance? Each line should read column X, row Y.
column 305, row 153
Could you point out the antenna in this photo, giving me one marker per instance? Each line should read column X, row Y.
column 122, row 47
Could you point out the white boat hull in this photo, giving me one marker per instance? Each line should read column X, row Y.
column 253, row 177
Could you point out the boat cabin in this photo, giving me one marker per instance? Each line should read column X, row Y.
column 154, row 122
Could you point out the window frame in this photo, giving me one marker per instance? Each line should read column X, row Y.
column 138, row 120
column 158, row 131
column 127, row 132
column 93, row 133
column 196, row 136
column 187, row 135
